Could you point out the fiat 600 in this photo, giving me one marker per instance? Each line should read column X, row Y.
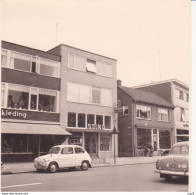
column 176, row 163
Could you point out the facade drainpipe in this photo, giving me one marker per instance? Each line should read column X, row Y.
column 133, row 130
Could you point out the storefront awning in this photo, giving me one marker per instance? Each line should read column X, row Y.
column 25, row 128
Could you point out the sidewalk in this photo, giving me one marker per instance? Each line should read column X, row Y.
column 25, row 167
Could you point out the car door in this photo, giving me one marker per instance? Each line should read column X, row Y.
column 79, row 155
column 67, row 157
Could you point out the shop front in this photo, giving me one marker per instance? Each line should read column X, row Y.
column 24, row 141
column 158, row 139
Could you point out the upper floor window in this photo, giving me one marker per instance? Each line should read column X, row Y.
column 163, row 115
column 91, row 66
column 29, row 98
column 187, row 97
column 143, row 112
column 180, row 114
column 125, row 110
column 179, row 94
column 80, row 63
column 28, row 63
column 89, row 94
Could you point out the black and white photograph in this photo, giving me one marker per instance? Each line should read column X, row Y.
column 96, row 96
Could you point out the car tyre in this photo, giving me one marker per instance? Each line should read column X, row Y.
column 53, row 167
column 84, row 165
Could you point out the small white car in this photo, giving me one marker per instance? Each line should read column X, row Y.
column 63, row 156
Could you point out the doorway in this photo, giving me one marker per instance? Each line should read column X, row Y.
column 91, row 144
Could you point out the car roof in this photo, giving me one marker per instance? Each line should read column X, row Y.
column 181, row 143
column 64, row 145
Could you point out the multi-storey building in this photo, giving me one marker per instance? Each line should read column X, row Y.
column 88, row 98
column 146, row 119
column 177, row 93
column 30, row 94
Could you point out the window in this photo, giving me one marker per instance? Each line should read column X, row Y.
column 106, row 97
column 73, row 92
column 2, row 94
column 76, row 62
column 105, row 143
column 47, row 100
column 163, row 115
column 164, row 139
column 187, row 97
column 71, row 119
column 104, row 69
column 179, row 94
column 18, row 96
column 85, row 94
column 125, row 110
column 186, row 115
column 81, row 120
column 108, row 122
column 108, row 70
column 143, row 112
column 91, row 66
column 90, row 119
column 79, row 151
column 48, row 68
column 182, row 116
column 96, row 95
column 3, row 58
column 67, row 150
column 99, row 119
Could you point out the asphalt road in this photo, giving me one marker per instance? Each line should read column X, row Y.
column 132, row 178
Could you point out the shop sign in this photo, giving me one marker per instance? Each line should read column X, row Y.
column 96, row 126
column 13, row 114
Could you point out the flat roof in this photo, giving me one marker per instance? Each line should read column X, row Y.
column 82, row 50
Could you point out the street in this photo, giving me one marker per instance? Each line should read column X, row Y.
column 138, row 177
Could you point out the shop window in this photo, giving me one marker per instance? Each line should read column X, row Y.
column 108, row 122
column 163, row 115
column 71, row 119
column 105, row 143
column 96, row 95
column 81, row 120
column 14, row 143
column 143, row 112
column 18, row 97
column 143, row 137
column 164, row 139
column 91, row 66
column 46, row 143
column 75, row 139
column 99, row 120
column 90, row 119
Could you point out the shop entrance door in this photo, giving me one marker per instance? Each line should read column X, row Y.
column 91, row 144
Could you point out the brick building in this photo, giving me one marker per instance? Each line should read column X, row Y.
column 146, row 119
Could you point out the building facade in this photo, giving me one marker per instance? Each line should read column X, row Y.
column 88, row 98
column 177, row 93
column 30, row 102
column 145, row 119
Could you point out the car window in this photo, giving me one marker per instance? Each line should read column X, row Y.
column 67, row 150
column 184, row 149
column 54, row 150
column 180, row 150
column 79, row 150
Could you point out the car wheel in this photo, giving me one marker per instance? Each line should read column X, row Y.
column 84, row 165
column 168, row 177
column 53, row 167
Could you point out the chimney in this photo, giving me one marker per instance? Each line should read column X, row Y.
column 119, row 82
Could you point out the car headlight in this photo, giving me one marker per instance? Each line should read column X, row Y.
column 184, row 166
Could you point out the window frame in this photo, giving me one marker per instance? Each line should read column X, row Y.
column 160, row 115
column 148, row 107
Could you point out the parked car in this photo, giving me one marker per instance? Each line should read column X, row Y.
column 63, row 156
column 176, row 163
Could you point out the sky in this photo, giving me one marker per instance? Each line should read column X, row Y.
column 149, row 38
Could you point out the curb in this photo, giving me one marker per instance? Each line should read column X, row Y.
column 109, row 165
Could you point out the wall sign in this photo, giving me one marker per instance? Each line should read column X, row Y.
column 15, row 114
column 96, row 126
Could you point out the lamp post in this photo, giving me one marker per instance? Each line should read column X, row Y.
column 114, row 132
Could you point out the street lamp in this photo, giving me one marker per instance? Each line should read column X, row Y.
column 114, row 132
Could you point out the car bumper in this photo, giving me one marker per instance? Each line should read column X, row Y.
column 167, row 172
column 38, row 166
